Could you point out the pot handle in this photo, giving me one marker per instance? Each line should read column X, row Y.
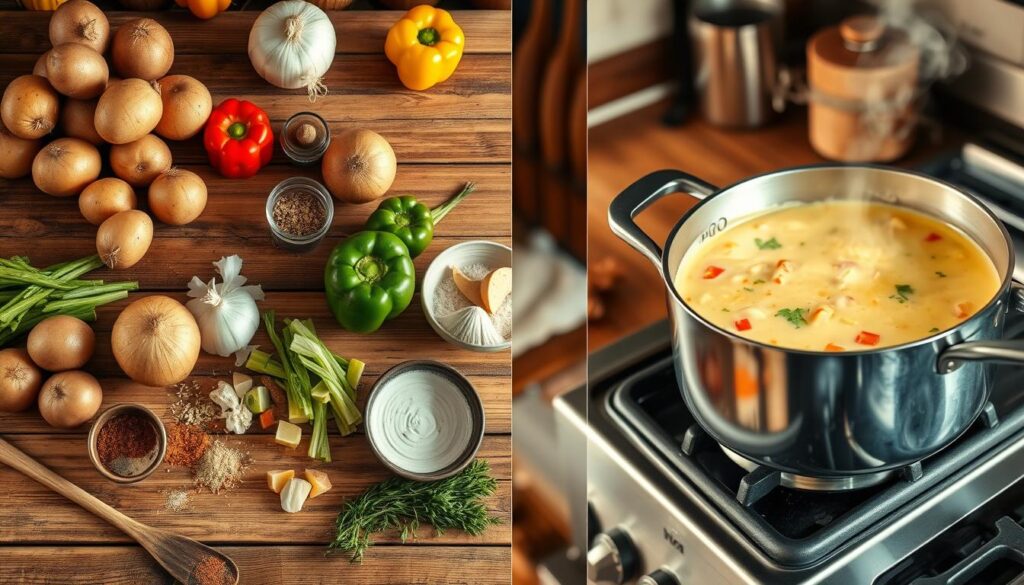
column 642, row 194
column 1010, row 351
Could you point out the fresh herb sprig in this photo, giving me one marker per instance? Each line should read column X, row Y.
column 903, row 292
column 402, row 504
column 796, row 317
column 771, row 244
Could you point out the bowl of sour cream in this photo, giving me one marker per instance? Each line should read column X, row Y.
column 424, row 420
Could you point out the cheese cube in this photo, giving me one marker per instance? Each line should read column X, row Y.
column 288, row 434
column 321, row 483
column 277, row 479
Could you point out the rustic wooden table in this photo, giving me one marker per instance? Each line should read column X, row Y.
column 453, row 133
column 628, row 148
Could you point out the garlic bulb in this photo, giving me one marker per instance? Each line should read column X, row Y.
column 226, row 312
column 291, row 45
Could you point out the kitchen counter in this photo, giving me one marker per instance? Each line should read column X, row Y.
column 625, row 149
column 456, row 132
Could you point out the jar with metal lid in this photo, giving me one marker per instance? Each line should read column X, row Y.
column 305, row 138
column 862, row 102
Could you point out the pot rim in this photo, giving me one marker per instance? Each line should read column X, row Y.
column 1005, row 282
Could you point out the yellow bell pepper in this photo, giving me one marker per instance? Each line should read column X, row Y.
column 425, row 46
column 205, row 9
column 47, row 5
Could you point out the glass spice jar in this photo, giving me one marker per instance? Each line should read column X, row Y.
column 305, row 138
column 300, row 212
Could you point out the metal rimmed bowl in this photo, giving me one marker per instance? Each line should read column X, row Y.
column 161, row 442
column 484, row 252
column 386, row 395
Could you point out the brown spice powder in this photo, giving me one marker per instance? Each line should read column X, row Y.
column 129, row 435
column 186, row 444
column 299, row 213
column 211, row 571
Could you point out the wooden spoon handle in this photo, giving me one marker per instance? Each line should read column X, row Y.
column 10, row 455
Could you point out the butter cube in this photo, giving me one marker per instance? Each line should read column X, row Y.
column 276, row 479
column 288, row 434
column 321, row 483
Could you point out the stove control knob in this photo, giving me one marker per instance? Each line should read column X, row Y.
column 612, row 558
column 659, row 577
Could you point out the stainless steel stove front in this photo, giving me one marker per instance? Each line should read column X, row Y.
column 657, row 523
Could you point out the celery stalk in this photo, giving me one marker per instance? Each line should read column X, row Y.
column 262, row 362
column 319, row 447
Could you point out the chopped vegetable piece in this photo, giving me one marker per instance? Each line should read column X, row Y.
column 242, row 384
column 758, row 281
column 267, row 419
column 822, row 314
column 771, row 244
column 257, row 399
column 712, row 272
column 355, row 372
column 288, row 434
column 278, row 478
column 321, row 393
column 742, row 325
column 319, row 480
column 933, row 330
column 796, row 317
column 961, row 310
column 932, row 237
column 294, row 495
column 834, row 347
column 940, row 274
column 903, row 292
column 867, row 338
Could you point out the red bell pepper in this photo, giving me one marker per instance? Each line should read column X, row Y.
column 238, row 138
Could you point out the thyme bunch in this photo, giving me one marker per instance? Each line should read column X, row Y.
column 401, row 504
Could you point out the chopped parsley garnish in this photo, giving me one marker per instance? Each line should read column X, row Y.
column 724, row 310
column 771, row 244
column 796, row 317
column 903, row 292
column 748, row 289
column 933, row 330
column 803, row 243
column 758, row 281
column 940, row 274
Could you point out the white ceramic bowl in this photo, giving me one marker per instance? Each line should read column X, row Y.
column 477, row 251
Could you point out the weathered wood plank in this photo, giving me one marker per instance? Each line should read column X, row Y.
column 357, row 31
column 493, row 390
column 263, row 565
column 248, row 514
column 235, row 209
column 284, row 565
column 362, row 87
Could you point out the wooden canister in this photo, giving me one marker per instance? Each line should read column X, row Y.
column 862, row 78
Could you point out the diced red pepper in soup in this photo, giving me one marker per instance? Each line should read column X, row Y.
column 867, row 338
column 742, row 325
column 834, row 347
column 932, row 237
column 712, row 271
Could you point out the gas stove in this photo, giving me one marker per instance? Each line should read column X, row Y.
column 668, row 506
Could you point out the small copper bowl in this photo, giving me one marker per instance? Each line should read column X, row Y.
column 161, row 442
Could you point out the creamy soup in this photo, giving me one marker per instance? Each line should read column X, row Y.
column 837, row 276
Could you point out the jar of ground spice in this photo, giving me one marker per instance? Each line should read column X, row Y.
column 300, row 211
column 127, row 443
column 305, row 138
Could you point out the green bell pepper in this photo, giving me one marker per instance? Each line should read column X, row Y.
column 411, row 220
column 369, row 279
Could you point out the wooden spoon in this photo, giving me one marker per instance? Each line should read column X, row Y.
column 178, row 555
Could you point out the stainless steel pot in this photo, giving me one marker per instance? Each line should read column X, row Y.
column 826, row 420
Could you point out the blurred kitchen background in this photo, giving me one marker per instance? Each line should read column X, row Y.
column 549, row 100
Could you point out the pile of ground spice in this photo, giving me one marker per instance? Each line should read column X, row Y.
column 176, row 501
column 211, row 571
column 220, row 468
column 186, row 444
column 127, row 444
column 193, row 406
column 299, row 213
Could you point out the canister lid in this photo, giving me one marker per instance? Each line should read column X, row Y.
column 860, row 50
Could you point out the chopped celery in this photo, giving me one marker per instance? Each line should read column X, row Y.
column 319, row 448
column 262, row 362
column 320, row 393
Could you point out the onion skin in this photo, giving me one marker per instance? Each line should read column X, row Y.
column 66, row 166
column 16, row 154
column 82, row 22
column 127, row 111
column 77, row 120
column 142, row 48
column 177, row 197
column 69, row 399
column 20, row 380
column 187, row 106
column 40, row 67
column 61, row 343
column 105, row 198
column 124, row 238
column 29, row 107
column 155, row 340
column 359, row 166
column 141, row 161
column 76, row 71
